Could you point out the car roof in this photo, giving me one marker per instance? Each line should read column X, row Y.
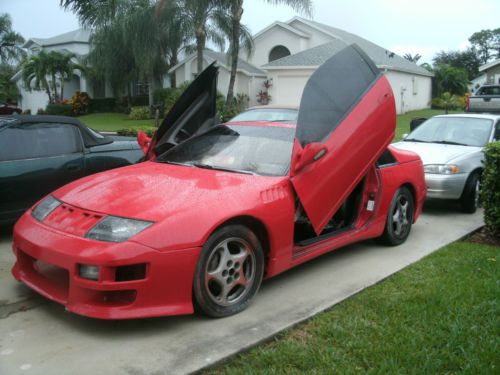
column 88, row 138
column 473, row 115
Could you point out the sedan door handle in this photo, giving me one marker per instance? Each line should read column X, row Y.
column 73, row 167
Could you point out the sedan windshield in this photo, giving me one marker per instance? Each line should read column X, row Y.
column 464, row 131
column 262, row 150
column 267, row 114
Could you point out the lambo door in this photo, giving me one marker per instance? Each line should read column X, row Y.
column 346, row 120
column 194, row 112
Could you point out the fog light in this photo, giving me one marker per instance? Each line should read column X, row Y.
column 89, row 272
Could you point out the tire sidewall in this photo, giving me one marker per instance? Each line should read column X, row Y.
column 390, row 237
column 201, row 299
column 468, row 199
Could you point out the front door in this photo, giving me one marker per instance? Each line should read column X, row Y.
column 347, row 111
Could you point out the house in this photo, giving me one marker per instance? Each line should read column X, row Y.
column 289, row 52
column 492, row 71
column 76, row 42
column 248, row 81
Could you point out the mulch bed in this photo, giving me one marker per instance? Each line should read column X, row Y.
column 481, row 236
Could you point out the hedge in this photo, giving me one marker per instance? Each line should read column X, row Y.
column 491, row 188
column 140, row 113
column 133, row 131
column 59, row 109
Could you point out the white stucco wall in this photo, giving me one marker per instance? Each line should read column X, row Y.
column 276, row 36
column 33, row 100
column 317, row 37
column 411, row 92
column 288, row 85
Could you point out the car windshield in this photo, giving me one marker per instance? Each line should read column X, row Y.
column 262, row 150
column 267, row 114
column 464, row 131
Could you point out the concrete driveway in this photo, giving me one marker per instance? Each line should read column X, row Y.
column 39, row 337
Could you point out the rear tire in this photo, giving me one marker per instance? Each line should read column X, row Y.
column 229, row 272
column 399, row 218
column 469, row 201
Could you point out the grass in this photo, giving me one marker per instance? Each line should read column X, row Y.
column 113, row 122
column 117, row 121
column 438, row 316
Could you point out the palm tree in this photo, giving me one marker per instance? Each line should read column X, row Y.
column 35, row 71
column 203, row 20
column 412, row 58
column 10, row 41
column 94, row 13
column 239, row 33
column 56, row 66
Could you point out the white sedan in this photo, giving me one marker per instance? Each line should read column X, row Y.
column 452, row 150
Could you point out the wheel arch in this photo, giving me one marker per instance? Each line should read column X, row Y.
column 256, row 226
column 413, row 192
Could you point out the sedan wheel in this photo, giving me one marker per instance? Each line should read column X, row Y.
column 399, row 218
column 229, row 271
column 470, row 196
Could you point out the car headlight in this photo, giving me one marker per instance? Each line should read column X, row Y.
column 441, row 169
column 45, row 207
column 116, row 229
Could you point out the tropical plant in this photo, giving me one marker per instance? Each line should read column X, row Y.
column 8, row 89
column 10, row 41
column 239, row 34
column 43, row 71
column 487, row 44
column 412, row 58
column 94, row 13
column 450, row 79
column 467, row 60
column 446, row 101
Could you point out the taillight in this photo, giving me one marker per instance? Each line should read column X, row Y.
column 467, row 99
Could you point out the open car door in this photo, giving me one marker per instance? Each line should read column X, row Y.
column 346, row 119
column 194, row 112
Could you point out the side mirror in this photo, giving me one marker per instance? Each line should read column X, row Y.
column 415, row 122
column 310, row 153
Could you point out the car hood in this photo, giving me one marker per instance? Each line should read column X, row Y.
column 435, row 153
column 153, row 191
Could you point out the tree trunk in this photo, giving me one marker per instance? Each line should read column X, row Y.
column 237, row 12
column 54, row 87
column 47, row 88
column 173, row 62
column 62, row 88
column 151, row 90
column 200, row 46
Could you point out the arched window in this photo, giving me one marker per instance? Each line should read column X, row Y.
column 278, row 52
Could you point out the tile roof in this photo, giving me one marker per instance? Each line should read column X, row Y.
column 75, row 36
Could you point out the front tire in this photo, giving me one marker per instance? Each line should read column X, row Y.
column 399, row 218
column 229, row 272
column 469, row 201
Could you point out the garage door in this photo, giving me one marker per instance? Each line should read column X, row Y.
column 288, row 89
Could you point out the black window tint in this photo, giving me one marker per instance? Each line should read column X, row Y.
column 27, row 141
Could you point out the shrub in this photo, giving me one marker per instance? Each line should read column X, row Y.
column 160, row 95
column 133, row 131
column 40, row 111
column 446, row 101
column 138, row 101
column 140, row 113
column 102, row 105
column 26, row 112
column 80, row 102
column 491, row 188
column 59, row 109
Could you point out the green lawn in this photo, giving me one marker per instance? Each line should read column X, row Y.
column 116, row 121
column 438, row 316
column 113, row 121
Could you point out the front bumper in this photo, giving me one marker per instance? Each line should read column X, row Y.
column 48, row 261
column 445, row 186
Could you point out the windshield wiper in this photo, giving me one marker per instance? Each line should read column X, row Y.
column 208, row 166
column 414, row 140
column 450, row 143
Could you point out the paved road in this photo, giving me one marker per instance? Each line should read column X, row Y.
column 39, row 337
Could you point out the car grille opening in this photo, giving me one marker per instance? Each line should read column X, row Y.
column 131, row 272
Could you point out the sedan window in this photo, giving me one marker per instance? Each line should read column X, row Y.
column 263, row 150
column 465, row 131
column 38, row 140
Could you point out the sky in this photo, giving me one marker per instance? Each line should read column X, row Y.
column 402, row 26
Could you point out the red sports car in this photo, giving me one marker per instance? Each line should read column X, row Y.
column 217, row 208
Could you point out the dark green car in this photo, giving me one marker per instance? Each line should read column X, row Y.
column 38, row 154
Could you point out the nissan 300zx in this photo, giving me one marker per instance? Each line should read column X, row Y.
column 216, row 208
